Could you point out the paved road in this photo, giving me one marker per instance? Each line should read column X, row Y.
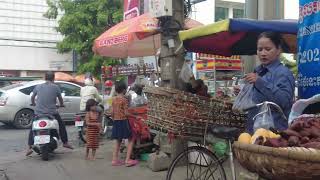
column 67, row 164
column 13, row 142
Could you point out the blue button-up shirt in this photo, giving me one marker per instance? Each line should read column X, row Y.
column 277, row 86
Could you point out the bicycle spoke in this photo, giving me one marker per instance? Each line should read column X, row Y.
column 195, row 165
column 208, row 168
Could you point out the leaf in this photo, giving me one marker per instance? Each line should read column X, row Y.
column 81, row 22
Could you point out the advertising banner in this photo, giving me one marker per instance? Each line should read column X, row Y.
column 208, row 62
column 131, row 9
column 309, row 48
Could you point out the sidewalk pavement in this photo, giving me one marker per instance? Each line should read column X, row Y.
column 71, row 165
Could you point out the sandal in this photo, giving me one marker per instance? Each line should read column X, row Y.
column 29, row 152
column 131, row 163
column 117, row 163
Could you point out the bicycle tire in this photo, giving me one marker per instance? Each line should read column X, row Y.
column 203, row 151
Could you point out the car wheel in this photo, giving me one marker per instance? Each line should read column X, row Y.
column 23, row 119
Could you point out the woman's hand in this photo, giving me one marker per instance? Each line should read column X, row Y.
column 236, row 89
column 251, row 77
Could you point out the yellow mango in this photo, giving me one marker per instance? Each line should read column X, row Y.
column 244, row 138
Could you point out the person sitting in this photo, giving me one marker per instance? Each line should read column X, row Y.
column 139, row 100
column 201, row 89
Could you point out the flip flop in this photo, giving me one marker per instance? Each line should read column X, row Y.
column 131, row 163
column 117, row 163
column 67, row 146
column 29, row 152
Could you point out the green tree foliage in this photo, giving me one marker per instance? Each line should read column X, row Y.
column 291, row 64
column 81, row 22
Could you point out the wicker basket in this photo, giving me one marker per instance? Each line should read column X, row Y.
column 279, row 163
column 185, row 114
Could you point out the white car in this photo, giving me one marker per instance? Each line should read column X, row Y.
column 15, row 102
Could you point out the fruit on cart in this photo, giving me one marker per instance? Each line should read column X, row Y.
column 245, row 138
column 262, row 132
column 274, row 135
column 304, row 132
column 257, row 139
column 261, row 135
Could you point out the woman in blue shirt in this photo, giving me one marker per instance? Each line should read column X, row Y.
column 272, row 81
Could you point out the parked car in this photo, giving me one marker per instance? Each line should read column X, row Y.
column 15, row 102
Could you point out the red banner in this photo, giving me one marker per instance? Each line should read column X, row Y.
column 131, row 9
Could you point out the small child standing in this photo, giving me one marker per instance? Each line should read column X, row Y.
column 93, row 128
column 121, row 128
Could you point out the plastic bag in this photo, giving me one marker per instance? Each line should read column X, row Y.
column 263, row 119
column 244, row 99
column 186, row 72
column 299, row 106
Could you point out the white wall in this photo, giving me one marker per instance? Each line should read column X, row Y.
column 291, row 9
column 28, row 40
column 204, row 12
column 30, row 58
column 238, row 1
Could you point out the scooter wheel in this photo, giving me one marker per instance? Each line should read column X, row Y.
column 45, row 152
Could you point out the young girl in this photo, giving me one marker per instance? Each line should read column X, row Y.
column 93, row 128
column 121, row 128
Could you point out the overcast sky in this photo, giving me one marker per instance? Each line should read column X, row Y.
column 291, row 10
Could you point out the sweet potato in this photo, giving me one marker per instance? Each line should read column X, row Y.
column 287, row 133
column 273, row 142
column 315, row 133
column 293, row 141
column 304, row 140
column 305, row 132
column 315, row 145
column 276, row 142
column 315, row 123
column 297, row 126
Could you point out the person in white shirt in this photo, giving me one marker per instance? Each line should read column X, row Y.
column 88, row 92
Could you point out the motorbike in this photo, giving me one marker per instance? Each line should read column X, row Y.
column 79, row 122
column 45, row 130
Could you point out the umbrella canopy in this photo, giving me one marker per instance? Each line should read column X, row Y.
column 237, row 36
column 135, row 37
column 80, row 79
column 61, row 76
column 129, row 38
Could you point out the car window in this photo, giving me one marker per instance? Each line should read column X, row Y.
column 69, row 90
column 12, row 86
column 27, row 90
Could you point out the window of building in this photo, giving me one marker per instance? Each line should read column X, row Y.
column 238, row 13
column 221, row 13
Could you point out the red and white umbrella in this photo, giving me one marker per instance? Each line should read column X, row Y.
column 136, row 37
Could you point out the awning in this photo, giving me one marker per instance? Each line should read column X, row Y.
column 237, row 36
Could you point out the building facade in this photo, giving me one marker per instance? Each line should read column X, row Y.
column 28, row 40
column 210, row 11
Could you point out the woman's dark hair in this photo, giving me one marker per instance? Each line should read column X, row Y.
column 275, row 37
column 90, row 103
column 120, row 87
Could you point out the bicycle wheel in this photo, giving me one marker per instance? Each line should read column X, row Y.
column 196, row 163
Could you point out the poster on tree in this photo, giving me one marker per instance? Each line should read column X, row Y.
column 309, row 48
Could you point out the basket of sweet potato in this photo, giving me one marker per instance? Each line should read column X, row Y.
column 185, row 114
column 290, row 154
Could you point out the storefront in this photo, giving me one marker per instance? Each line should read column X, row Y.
column 218, row 72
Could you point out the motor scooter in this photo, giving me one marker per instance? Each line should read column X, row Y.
column 45, row 130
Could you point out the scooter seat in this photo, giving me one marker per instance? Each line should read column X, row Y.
column 224, row 132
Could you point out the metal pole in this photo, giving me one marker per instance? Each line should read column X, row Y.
column 251, row 12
